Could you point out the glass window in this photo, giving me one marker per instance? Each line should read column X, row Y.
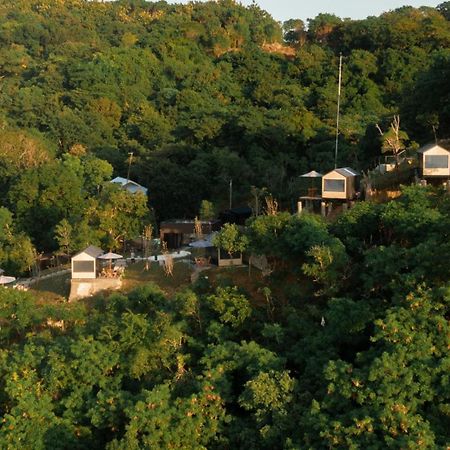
column 335, row 185
column 83, row 266
column 436, row 161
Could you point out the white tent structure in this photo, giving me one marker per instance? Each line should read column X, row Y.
column 6, row 280
column 84, row 264
column 203, row 243
column 130, row 186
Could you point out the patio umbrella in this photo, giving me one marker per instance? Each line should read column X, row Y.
column 202, row 243
column 6, row 280
column 312, row 174
column 110, row 256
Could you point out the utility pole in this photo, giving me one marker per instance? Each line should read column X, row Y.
column 338, row 111
column 129, row 166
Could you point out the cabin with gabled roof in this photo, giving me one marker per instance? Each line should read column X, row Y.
column 340, row 184
column 84, row 264
column 434, row 161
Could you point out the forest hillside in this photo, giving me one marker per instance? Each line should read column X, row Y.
column 341, row 342
column 199, row 95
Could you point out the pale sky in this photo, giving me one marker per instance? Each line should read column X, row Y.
column 356, row 9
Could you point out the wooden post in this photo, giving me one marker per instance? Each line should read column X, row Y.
column 323, row 209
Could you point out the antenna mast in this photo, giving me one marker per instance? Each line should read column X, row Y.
column 338, row 111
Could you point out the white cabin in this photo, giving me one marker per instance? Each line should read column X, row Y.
column 84, row 264
column 339, row 184
column 434, row 161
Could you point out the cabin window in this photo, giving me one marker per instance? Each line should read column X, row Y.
column 83, row 266
column 334, row 185
column 436, row 161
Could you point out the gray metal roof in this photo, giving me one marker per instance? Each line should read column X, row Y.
column 130, row 185
column 92, row 250
column 347, row 172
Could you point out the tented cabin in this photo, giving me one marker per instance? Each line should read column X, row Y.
column 131, row 186
column 339, row 184
column 84, row 264
column 434, row 161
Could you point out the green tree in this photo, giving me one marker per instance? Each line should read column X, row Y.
column 119, row 215
column 207, row 211
column 230, row 239
column 233, row 308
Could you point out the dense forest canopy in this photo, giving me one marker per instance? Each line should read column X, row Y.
column 342, row 344
column 205, row 92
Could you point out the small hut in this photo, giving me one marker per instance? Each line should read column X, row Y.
column 340, row 184
column 434, row 161
column 84, row 264
column 131, row 186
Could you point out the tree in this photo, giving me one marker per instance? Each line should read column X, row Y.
column 230, row 239
column 17, row 253
column 207, row 211
column 63, row 233
column 444, row 9
column 328, row 266
column 147, row 236
column 294, row 32
column 233, row 308
column 394, row 139
column 157, row 420
column 119, row 215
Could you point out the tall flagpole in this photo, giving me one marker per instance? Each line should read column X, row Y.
column 338, row 111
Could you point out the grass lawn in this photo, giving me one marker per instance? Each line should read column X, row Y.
column 135, row 275
column 286, row 289
column 52, row 289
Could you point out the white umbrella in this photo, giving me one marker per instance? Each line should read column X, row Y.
column 6, row 280
column 202, row 243
column 110, row 256
column 312, row 174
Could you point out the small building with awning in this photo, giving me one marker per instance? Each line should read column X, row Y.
column 85, row 264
